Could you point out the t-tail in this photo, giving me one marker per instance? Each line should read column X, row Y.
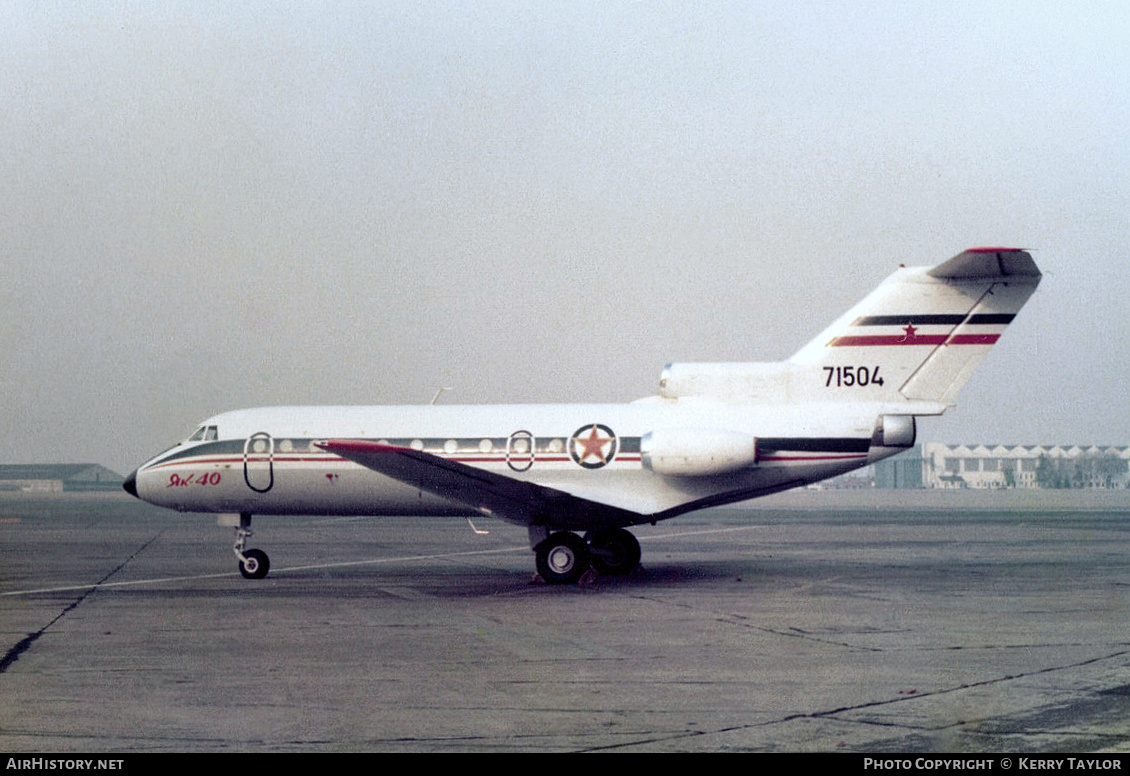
column 922, row 333
column 915, row 339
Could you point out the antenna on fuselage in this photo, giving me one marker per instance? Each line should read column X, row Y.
column 441, row 390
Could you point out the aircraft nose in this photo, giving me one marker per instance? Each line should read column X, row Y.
column 130, row 485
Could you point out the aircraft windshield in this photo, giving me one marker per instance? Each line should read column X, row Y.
column 204, row 434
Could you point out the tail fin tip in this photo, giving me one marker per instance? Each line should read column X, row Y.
column 986, row 263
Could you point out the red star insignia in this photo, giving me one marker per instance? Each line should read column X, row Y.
column 910, row 330
column 592, row 445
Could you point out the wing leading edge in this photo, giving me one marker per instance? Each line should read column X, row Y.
column 516, row 501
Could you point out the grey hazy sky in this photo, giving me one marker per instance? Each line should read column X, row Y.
column 209, row 205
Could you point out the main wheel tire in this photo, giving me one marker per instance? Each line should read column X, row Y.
column 615, row 552
column 255, row 564
column 562, row 558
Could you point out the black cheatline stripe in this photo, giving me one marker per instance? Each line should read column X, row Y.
column 231, row 446
column 814, row 444
column 932, row 320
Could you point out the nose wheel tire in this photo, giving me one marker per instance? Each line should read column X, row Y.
column 562, row 558
column 255, row 564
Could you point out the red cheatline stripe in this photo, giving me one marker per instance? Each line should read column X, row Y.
column 810, row 457
column 902, row 339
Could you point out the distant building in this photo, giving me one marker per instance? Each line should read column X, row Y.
column 937, row 465
column 58, row 477
column 902, row 471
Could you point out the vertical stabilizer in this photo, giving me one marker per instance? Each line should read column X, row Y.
column 923, row 331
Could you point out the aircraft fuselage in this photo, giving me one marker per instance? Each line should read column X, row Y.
column 266, row 461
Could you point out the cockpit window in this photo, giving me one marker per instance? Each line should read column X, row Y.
column 205, row 434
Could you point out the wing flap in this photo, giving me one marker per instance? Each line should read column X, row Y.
column 516, row 501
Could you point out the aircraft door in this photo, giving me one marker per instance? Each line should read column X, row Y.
column 259, row 462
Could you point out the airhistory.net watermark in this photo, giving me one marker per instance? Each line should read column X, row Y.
column 58, row 764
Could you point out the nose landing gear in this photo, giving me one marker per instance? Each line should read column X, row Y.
column 253, row 564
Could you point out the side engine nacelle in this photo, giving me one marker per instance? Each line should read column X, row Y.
column 697, row 452
column 894, row 431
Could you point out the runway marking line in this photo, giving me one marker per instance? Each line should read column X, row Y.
column 343, row 564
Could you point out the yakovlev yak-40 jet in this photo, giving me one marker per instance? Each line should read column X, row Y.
column 715, row 433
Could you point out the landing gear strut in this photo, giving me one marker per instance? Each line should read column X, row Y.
column 253, row 564
column 563, row 558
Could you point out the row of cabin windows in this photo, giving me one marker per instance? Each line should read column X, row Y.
column 520, row 445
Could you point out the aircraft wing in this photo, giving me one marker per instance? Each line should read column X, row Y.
column 494, row 494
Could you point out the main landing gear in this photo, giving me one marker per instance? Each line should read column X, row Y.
column 562, row 558
column 253, row 564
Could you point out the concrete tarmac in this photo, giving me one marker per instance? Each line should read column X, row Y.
column 824, row 623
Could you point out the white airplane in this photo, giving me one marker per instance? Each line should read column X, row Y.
column 715, row 434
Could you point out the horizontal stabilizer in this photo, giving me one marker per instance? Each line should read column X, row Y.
column 986, row 263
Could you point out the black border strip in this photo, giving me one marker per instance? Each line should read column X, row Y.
column 814, row 444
